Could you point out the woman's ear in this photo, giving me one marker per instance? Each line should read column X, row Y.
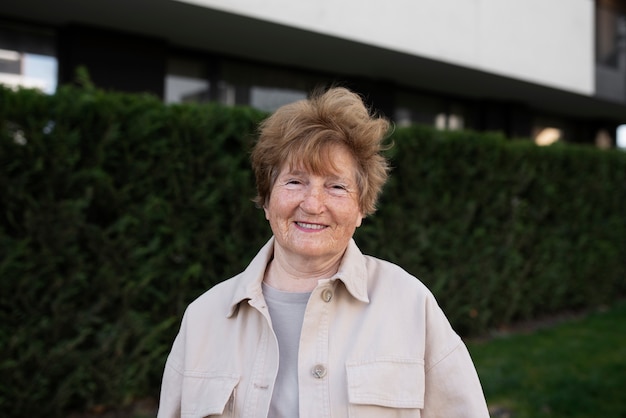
column 359, row 219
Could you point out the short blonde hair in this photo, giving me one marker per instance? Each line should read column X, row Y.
column 304, row 133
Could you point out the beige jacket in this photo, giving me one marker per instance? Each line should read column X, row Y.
column 374, row 344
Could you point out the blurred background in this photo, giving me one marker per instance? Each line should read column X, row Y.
column 545, row 70
column 125, row 197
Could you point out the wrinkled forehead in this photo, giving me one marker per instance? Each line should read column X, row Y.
column 321, row 161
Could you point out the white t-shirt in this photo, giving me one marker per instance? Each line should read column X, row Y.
column 287, row 313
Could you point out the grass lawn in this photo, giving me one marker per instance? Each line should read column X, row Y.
column 573, row 369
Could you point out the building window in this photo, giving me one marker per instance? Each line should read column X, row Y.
column 203, row 78
column 186, row 81
column 610, row 33
column 621, row 137
column 452, row 120
column 180, row 89
column 418, row 109
column 28, row 58
column 412, row 108
column 270, row 98
column 266, row 87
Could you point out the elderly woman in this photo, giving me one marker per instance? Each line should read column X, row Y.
column 312, row 327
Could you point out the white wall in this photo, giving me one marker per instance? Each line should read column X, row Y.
column 548, row 42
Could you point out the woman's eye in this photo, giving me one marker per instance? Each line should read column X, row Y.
column 293, row 182
column 338, row 189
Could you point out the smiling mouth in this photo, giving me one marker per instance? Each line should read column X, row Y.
column 310, row 226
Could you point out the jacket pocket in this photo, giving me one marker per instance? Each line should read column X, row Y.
column 204, row 396
column 386, row 387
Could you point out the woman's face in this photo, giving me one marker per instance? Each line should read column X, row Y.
column 314, row 216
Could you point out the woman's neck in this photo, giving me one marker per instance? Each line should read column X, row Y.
column 297, row 275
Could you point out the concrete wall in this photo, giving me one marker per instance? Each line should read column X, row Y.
column 547, row 42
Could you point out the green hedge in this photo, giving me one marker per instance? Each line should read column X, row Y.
column 504, row 231
column 117, row 211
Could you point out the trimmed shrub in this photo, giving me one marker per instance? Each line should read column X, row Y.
column 118, row 210
column 503, row 231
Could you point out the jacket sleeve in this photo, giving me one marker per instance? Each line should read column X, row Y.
column 453, row 388
column 172, row 384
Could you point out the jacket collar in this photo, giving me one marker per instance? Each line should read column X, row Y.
column 352, row 272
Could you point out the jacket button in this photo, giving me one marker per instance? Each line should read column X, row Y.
column 319, row 371
column 327, row 295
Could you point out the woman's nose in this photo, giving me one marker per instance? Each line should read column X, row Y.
column 313, row 201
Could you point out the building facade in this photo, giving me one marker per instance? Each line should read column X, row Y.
column 541, row 69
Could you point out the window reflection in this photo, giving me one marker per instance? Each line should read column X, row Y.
column 202, row 78
column 187, row 80
column 181, row 89
column 28, row 59
column 621, row 137
column 270, row 99
column 610, row 33
column 428, row 110
column 42, row 70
